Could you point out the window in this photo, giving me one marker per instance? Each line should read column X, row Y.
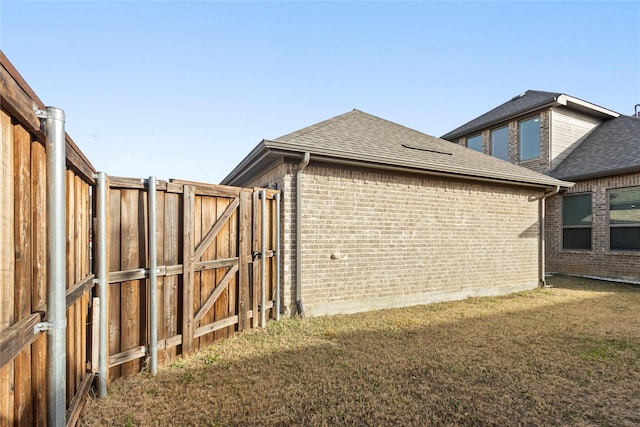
column 624, row 219
column 576, row 221
column 500, row 143
column 529, row 136
column 475, row 143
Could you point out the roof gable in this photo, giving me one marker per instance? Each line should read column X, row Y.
column 612, row 148
column 525, row 103
column 362, row 137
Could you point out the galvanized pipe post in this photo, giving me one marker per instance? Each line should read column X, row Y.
column 153, row 274
column 103, row 282
column 56, row 321
column 277, row 255
column 263, row 290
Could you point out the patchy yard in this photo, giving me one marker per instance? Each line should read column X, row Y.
column 569, row 355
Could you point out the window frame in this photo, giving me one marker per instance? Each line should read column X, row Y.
column 520, row 140
column 473, row 137
column 494, row 130
column 611, row 226
column 564, row 227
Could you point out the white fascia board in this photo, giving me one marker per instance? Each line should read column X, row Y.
column 570, row 101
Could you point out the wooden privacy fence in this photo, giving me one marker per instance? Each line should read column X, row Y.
column 210, row 260
column 23, row 260
column 216, row 258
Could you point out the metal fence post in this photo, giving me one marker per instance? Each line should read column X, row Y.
column 263, row 267
column 153, row 274
column 277, row 255
column 103, row 282
column 56, row 321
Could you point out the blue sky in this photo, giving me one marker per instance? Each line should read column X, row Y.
column 186, row 89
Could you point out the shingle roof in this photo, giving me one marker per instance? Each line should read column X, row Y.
column 361, row 137
column 527, row 101
column 611, row 148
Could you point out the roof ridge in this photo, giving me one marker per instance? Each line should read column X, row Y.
column 314, row 127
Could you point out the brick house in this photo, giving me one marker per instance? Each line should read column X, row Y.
column 593, row 228
column 377, row 215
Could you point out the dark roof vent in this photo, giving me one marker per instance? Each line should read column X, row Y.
column 519, row 96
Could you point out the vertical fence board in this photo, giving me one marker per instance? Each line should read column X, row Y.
column 23, row 269
column 232, row 250
column 130, row 290
column 188, row 273
column 221, row 307
column 39, row 279
column 160, row 281
column 256, row 245
column 78, row 327
column 70, row 271
column 114, row 293
column 244, row 258
column 7, row 261
column 171, row 257
column 207, row 277
column 22, row 233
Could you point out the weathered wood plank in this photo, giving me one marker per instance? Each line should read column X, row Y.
column 232, row 250
column 39, row 278
column 128, row 356
column 78, row 401
column 216, row 263
column 245, row 256
column 213, row 232
column 131, row 234
column 216, row 293
column 17, row 336
column 77, row 291
column 114, row 292
column 80, row 321
column 256, row 248
column 221, row 302
column 188, row 273
column 95, row 333
column 70, row 273
column 197, row 276
column 204, row 189
column 216, row 326
column 159, row 232
column 23, row 269
column 172, row 234
column 7, row 260
column 206, row 251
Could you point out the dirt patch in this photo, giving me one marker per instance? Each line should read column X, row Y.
column 568, row 355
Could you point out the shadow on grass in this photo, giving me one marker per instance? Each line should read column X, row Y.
column 569, row 355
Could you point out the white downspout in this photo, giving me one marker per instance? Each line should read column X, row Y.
column 301, row 166
column 541, row 253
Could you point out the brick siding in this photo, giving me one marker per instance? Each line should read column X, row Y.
column 600, row 261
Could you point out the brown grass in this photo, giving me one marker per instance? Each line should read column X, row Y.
column 569, row 355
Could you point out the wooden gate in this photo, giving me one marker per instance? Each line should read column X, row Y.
column 209, row 252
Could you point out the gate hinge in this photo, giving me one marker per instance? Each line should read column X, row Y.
column 48, row 326
column 42, row 114
column 255, row 255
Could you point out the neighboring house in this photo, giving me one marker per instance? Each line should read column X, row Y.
column 593, row 228
column 377, row 215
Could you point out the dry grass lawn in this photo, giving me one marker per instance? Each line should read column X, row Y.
column 568, row 355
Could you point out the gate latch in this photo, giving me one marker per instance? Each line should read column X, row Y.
column 256, row 254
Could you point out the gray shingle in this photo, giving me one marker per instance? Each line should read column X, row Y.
column 362, row 137
column 527, row 101
column 612, row 148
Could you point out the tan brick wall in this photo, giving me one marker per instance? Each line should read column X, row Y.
column 398, row 240
column 599, row 262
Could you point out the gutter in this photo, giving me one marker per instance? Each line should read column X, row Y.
column 541, row 253
column 301, row 166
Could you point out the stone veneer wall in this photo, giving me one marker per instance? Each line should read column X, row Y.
column 599, row 261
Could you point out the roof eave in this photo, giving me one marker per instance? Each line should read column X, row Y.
column 602, row 174
column 455, row 135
